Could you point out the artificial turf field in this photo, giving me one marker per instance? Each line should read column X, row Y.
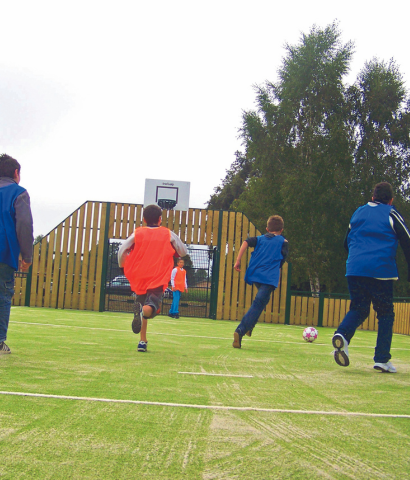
column 194, row 407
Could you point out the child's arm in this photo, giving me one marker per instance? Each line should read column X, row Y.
column 178, row 245
column 125, row 249
column 237, row 265
column 173, row 274
column 284, row 252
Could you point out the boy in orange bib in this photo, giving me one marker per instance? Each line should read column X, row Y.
column 179, row 285
column 147, row 257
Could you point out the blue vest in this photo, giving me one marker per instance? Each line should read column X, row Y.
column 9, row 245
column 264, row 266
column 372, row 243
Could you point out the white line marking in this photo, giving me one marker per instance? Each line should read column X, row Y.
column 194, row 336
column 207, row 407
column 217, row 374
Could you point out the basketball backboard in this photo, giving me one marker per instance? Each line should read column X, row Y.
column 168, row 194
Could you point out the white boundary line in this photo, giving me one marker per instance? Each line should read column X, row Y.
column 216, row 374
column 207, row 407
column 191, row 336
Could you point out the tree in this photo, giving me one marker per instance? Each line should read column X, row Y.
column 314, row 148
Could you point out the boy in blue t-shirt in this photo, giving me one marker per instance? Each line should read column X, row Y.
column 371, row 241
column 268, row 257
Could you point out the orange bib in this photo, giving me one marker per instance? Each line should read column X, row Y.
column 150, row 263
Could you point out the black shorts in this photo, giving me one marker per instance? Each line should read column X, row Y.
column 153, row 298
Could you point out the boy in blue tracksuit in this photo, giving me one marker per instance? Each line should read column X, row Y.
column 268, row 257
column 16, row 238
column 371, row 241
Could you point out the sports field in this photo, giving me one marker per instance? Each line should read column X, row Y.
column 193, row 407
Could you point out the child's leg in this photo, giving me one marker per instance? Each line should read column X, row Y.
column 176, row 295
column 360, row 290
column 383, row 305
column 251, row 317
column 151, row 306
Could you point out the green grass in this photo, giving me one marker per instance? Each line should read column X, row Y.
column 93, row 355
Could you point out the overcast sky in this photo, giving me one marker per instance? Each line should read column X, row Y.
column 97, row 96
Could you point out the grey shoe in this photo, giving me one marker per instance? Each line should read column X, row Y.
column 341, row 353
column 137, row 321
column 385, row 367
column 4, row 349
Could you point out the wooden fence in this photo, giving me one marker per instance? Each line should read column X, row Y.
column 306, row 310
column 69, row 264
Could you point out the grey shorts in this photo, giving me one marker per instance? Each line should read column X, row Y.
column 153, row 298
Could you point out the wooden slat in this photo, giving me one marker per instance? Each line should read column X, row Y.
column 282, row 301
column 170, row 221
column 222, row 266
column 326, row 312
column 177, row 223
column 71, row 259
column 56, row 266
column 131, row 221
column 209, row 221
column 111, row 229
column 189, row 237
column 183, row 226
column 229, row 269
column 78, row 258
column 276, row 305
column 241, row 293
column 64, row 261
column 102, row 240
column 202, row 228
column 34, row 281
column 93, row 257
column 86, row 258
column 310, row 312
column 138, row 217
column 42, row 272
column 235, row 274
column 316, row 311
column 196, row 221
column 118, row 220
column 124, row 221
column 49, row 268
column 303, row 313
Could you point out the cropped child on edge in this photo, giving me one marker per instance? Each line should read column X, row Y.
column 179, row 285
column 268, row 257
column 148, row 258
column 372, row 238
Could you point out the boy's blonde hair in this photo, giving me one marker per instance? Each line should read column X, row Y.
column 275, row 223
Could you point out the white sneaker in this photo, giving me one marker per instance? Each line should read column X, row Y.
column 341, row 353
column 385, row 367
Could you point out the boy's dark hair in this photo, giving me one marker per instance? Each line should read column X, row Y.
column 152, row 214
column 8, row 165
column 383, row 192
column 275, row 223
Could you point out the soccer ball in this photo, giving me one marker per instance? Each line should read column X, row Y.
column 310, row 334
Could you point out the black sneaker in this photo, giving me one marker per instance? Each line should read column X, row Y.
column 171, row 315
column 341, row 354
column 4, row 349
column 237, row 340
column 176, row 315
column 137, row 321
